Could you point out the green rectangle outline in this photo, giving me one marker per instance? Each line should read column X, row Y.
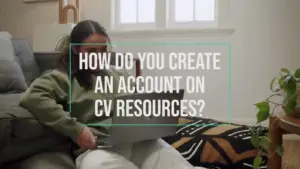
column 159, row 44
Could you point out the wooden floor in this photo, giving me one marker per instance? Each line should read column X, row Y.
column 291, row 158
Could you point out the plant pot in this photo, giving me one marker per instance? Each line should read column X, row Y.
column 294, row 113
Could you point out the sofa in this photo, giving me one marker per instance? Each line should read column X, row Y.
column 20, row 134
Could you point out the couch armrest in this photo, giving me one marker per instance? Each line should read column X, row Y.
column 5, row 129
column 21, row 133
column 47, row 60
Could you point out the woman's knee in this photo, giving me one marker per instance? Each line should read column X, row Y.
column 143, row 150
column 151, row 146
column 159, row 154
column 103, row 159
column 49, row 160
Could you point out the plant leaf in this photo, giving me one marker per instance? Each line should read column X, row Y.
column 277, row 90
column 272, row 85
column 267, row 135
column 297, row 73
column 255, row 141
column 290, row 106
column 285, row 70
column 281, row 81
column 257, row 162
column 263, row 106
column 291, row 97
column 289, row 86
column 262, row 116
column 290, row 102
column 279, row 150
column 265, row 142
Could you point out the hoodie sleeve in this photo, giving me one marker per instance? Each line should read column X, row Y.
column 42, row 99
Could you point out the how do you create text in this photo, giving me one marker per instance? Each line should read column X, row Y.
column 194, row 84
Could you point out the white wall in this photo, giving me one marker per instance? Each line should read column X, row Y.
column 20, row 18
column 265, row 39
column 1, row 14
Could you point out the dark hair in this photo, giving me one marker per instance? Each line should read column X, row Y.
column 80, row 32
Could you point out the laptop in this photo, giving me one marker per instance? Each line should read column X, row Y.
column 128, row 130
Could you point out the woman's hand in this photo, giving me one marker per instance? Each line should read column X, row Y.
column 86, row 139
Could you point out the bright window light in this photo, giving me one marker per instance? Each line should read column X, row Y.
column 146, row 11
column 184, row 10
column 128, row 12
column 205, row 10
column 137, row 11
column 194, row 10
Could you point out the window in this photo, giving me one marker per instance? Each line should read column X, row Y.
column 151, row 14
column 194, row 10
column 135, row 14
column 137, row 11
column 192, row 13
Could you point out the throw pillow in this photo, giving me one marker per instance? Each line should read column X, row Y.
column 26, row 59
column 11, row 76
column 213, row 144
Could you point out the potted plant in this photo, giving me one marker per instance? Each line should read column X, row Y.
column 285, row 87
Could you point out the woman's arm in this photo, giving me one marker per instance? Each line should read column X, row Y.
column 42, row 100
column 125, row 74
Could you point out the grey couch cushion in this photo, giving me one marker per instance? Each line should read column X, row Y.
column 21, row 121
column 20, row 132
column 47, row 60
column 11, row 75
column 26, row 149
column 5, row 129
column 25, row 56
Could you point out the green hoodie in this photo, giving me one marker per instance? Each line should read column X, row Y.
column 48, row 99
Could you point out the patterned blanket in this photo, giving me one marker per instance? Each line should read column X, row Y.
column 215, row 145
